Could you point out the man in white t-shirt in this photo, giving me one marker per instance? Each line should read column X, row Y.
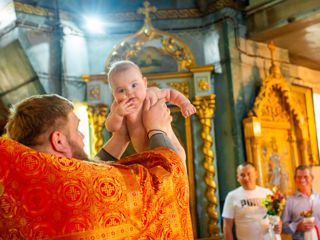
column 243, row 206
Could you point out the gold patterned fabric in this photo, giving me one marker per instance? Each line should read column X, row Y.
column 42, row 196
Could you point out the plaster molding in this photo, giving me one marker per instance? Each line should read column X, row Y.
column 130, row 16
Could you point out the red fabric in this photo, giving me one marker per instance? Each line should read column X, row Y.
column 317, row 230
column 42, row 196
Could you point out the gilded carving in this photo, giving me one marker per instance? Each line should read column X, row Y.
column 94, row 92
column 177, row 13
column 152, row 84
column 275, row 84
column 304, row 99
column 273, row 109
column 182, row 87
column 277, row 132
column 160, row 43
column 202, row 84
column 130, row 16
column 133, row 50
column 97, row 115
column 174, row 49
column 94, row 77
column 205, row 108
column 146, row 10
column 26, row 8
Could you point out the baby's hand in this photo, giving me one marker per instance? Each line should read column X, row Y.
column 123, row 108
column 188, row 109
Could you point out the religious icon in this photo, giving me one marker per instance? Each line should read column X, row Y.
column 150, row 60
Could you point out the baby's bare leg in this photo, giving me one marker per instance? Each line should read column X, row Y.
column 180, row 150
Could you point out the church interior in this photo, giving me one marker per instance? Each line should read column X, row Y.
column 250, row 67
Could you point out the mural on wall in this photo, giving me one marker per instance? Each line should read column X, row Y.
column 153, row 60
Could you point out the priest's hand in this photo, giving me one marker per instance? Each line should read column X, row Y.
column 156, row 117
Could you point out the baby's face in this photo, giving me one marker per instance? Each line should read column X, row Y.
column 129, row 86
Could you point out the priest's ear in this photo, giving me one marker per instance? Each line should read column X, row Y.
column 60, row 144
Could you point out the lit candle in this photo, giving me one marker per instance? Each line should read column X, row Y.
column 312, row 197
column 274, row 189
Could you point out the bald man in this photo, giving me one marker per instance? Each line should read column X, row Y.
column 243, row 207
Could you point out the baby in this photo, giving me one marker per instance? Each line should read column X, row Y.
column 129, row 89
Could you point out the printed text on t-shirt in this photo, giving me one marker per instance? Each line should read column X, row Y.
column 253, row 202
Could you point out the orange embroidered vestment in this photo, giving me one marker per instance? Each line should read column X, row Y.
column 42, row 196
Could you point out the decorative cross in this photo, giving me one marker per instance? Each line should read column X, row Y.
column 272, row 48
column 146, row 10
column 274, row 69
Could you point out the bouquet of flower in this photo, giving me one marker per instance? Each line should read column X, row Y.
column 306, row 213
column 274, row 203
column 313, row 234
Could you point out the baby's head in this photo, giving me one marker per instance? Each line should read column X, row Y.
column 125, row 78
column 119, row 67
